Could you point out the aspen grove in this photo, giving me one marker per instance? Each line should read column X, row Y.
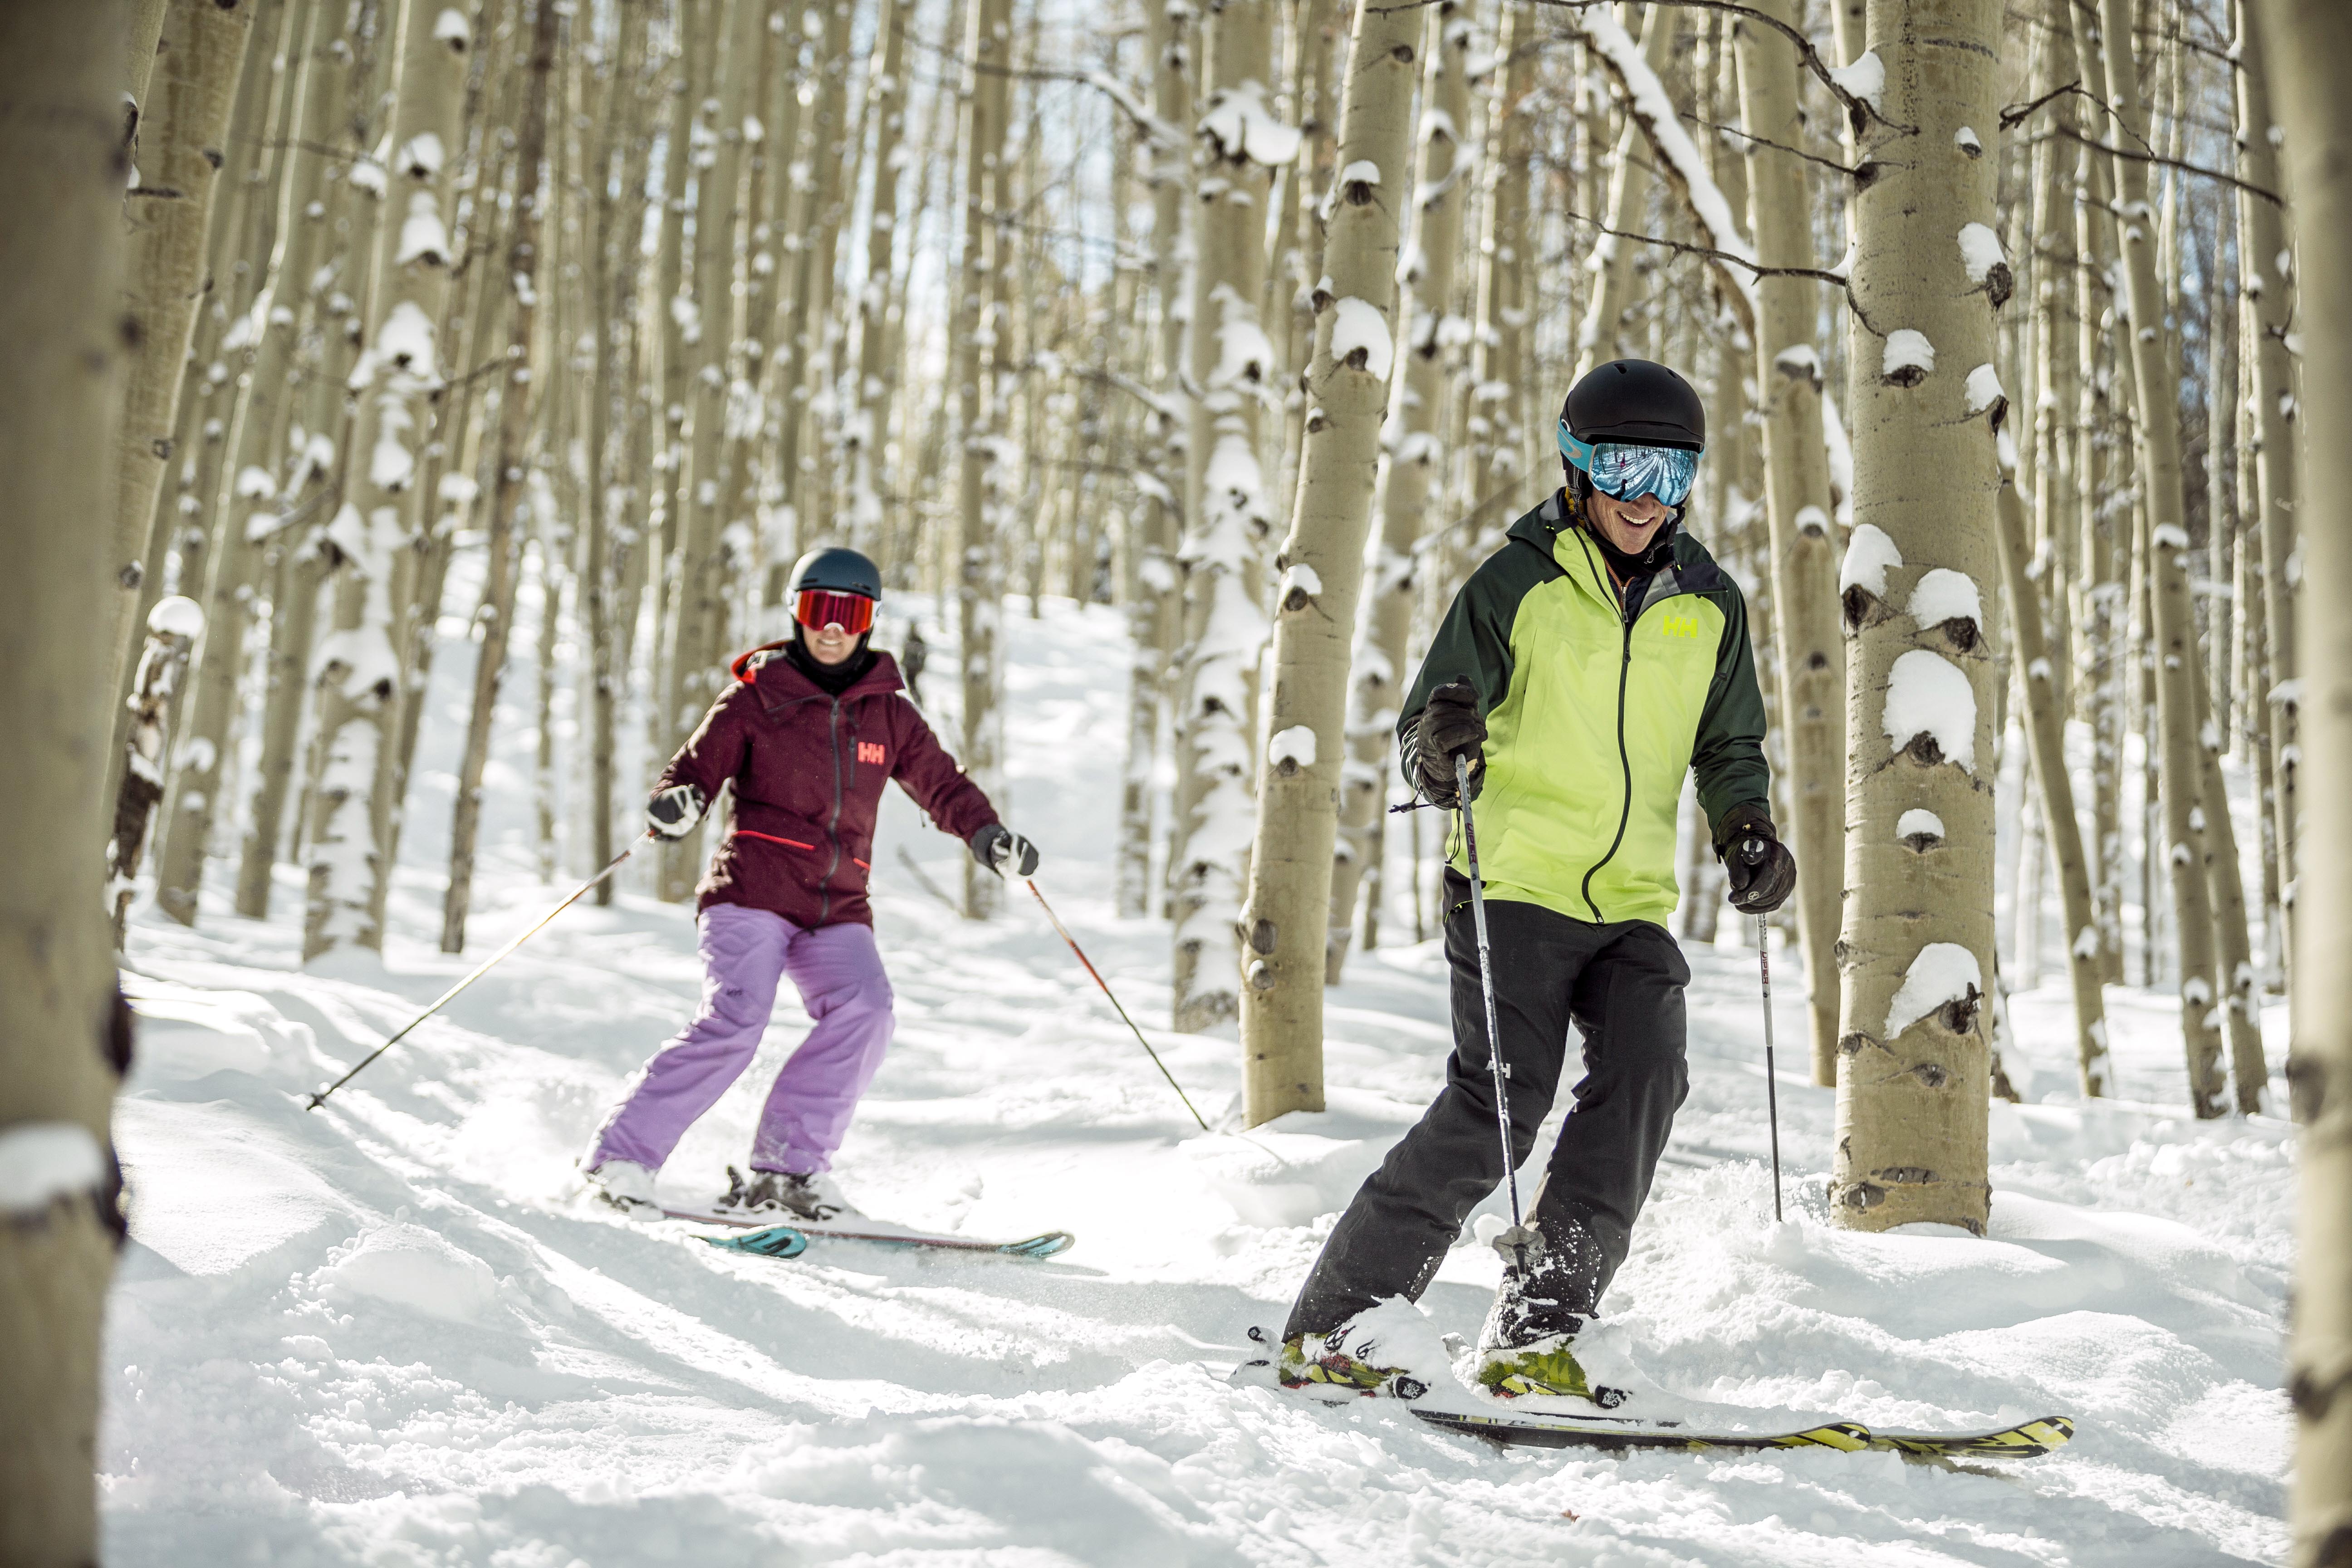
column 419, row 406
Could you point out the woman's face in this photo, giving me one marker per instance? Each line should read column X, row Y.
column 828, row 645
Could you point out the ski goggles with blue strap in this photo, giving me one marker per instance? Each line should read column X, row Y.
column 1627, row 471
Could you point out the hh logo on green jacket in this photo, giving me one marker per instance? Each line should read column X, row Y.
column 1594, row 712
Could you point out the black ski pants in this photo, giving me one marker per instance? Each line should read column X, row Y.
column 1621, row 986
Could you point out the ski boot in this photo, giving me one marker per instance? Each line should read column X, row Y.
column 624, row 1185
column 785, row 1196
column 1529, row 1343
column 1316, row 1362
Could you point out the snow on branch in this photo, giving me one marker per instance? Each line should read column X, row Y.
column 1859, row 111
column 1646, row 101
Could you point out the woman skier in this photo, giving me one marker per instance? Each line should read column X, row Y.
column 810, row 730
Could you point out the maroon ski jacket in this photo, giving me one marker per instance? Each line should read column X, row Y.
column 808, row 770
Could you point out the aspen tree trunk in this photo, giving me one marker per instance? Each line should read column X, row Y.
column 1316, row 37
column 1228, row 512
column 2045, row 739
column 2267, row 283
column 1157, row 608
column 1600, row 337
column 835, row 144
column 360, row 669
column 1287, row 912
column 2306, row 50
column 988, row 49
column 64, row 1036
column 2173, row 630
column 1494, row 441
column 258, row 436
column 2241, row 1019
column 334, row 310
column 2103, row 482
column 617, row 221
column 174, row 625
column 2056, row 499
column 1918, row 947
column 1811, row 655
column 1416, row 460
column 697, row 622
column 691, row 31
column 186, row 111
column 494, row 616
column 864, row 434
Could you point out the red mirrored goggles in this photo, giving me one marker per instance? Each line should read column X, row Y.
column 818, row 608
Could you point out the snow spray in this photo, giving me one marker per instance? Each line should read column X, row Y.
column 487, row 965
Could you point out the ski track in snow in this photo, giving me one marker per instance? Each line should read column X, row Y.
column 387, row 1333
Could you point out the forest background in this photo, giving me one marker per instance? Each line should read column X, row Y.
column 1247, row 320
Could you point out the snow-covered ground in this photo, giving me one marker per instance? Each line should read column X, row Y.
column 389, row 1333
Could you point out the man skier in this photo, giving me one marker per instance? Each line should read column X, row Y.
column 1580, row 671
column 810, row 731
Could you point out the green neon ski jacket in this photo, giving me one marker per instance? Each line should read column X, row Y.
column 1593, row 713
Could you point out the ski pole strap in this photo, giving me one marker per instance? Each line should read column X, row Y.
column 443, row 1000
column 1081, row 954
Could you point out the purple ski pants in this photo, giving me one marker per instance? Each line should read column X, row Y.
column 745, row 951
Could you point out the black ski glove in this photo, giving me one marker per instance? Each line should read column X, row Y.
column 1449, row 727
column 998, row 847
column 672, row 813
column 1762, row 871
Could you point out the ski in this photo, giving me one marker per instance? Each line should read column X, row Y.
column 775, row 1241
column 2026, row 1440
column 1573, row 1432
column 1046, row 1244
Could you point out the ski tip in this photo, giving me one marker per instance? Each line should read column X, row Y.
column 2026, row 1440
column 1052, row 1244
column 775, row 1241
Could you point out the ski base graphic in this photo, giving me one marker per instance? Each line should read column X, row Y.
column 2025, row 1440
column 1046, row 1244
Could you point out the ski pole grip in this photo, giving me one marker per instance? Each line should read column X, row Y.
column 1751, row 851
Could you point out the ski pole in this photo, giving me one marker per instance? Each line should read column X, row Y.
column 1752, row 853
column 441, row 1001
column 1107, row 990
column 1517, row 1236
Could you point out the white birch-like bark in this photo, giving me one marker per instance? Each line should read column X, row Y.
column 1413, row 464
column 1286, row 914
column 2046, row 738
column 698, row 621
column 64, row 1039
column 1918, row 943
column 1228, row 510
column 2173, row 629
column 359, row 669
column 864, row 433
column 1810, row 652
column 181, row 154
column 494, row 616
column 2267, row 283
column 2306, row 50
column 257, row 434
column 1156, row 611
column 980, row 395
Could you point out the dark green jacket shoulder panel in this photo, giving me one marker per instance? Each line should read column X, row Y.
column 1728, row 756
column 1474, row 640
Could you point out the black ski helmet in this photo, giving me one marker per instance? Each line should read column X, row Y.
column 836, row 570
column 1636, row 401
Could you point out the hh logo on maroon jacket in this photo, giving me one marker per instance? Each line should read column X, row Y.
column 870, row 752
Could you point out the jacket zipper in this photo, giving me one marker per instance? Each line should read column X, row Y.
column 833, row 826
column 1627, row 615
